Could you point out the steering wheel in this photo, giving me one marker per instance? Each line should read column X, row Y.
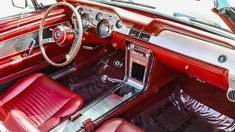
column 63, row 35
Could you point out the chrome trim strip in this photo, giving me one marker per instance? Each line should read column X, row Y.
column 32, row 24
column 135, row 85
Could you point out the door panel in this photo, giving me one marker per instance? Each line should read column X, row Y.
column 16, row 38
column 17, row 44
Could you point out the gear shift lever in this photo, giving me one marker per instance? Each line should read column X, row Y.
column 122, row 91
column 105, row 78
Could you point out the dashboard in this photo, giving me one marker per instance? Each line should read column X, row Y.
column 206, row 56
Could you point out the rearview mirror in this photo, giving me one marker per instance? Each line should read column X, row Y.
column 19, row 3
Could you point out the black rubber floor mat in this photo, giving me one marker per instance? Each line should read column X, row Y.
column 165, row 117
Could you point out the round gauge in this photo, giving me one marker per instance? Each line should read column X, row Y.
column 86, row 21
column 119, row 24
column 99, row 16
column 80, row 11
column 104, row 28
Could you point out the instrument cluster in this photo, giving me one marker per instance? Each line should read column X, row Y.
column 104, row 22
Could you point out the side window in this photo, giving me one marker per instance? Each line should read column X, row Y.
column 44, row 3
column 8, row 9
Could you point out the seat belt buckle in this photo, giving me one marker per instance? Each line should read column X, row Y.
column 89, row 125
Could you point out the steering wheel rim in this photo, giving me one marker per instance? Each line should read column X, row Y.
column 78, row 36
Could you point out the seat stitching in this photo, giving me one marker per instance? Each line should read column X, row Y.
column 34, row 110
column 44, row 101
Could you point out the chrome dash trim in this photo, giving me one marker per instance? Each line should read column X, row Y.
column 32, row 24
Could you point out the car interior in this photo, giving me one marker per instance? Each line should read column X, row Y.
column 86, row 65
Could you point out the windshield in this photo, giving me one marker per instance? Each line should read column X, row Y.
column 194, row 11
column 8, row 9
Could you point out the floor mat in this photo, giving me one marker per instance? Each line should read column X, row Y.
column 91, row 88
column 165, row 117
column 181, row 113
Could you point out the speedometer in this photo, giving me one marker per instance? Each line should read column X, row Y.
column 86, row 21
column 104, row 28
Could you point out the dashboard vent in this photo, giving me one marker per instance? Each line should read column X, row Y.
column 134, row 33
column 231, row 91
column 144, row 36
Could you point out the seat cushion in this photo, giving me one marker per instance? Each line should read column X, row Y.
column 44, row 101
column 118, row 125
column 17, row 120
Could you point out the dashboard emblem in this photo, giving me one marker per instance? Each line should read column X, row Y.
column 222, row 59
column 57, row 34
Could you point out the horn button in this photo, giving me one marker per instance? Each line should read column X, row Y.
column 63, row 35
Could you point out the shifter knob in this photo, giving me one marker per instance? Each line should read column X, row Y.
column 104, row 78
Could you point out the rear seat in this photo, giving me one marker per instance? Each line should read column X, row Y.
column 118, row 125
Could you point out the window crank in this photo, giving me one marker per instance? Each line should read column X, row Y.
column 30, row 49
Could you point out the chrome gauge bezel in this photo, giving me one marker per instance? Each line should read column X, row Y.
column 119, row 24
column 89, row 19
column 110, row 28
column 80, row 10
column 99, row 16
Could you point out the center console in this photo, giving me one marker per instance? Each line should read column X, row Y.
column 138, row 64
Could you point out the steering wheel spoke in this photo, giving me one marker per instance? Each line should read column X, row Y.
column 48, row 40
column 68, row 56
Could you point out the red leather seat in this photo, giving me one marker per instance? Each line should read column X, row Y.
column 40, row 100
column 118, row 125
